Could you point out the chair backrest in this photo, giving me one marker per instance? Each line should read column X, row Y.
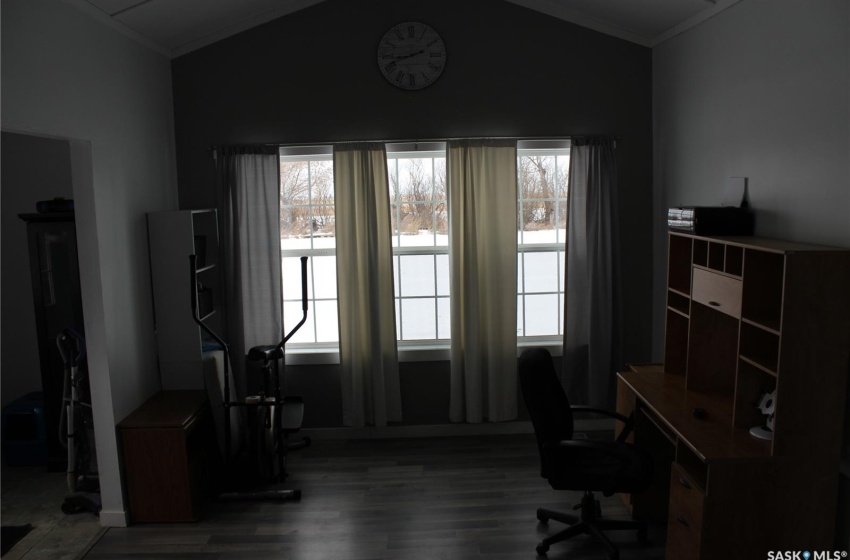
column 545, row 399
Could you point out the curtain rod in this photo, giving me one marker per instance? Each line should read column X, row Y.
column 426, row 141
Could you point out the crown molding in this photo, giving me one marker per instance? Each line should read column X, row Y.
column 690, row 23
column 107, row 20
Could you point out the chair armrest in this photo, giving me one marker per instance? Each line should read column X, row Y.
column 629, row 421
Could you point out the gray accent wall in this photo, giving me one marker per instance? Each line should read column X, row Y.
column 67, row 76
column 312, row 76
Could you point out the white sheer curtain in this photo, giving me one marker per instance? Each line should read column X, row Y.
column 371, row 392
column 249, row 201
column 482, row 190
column 591, row 307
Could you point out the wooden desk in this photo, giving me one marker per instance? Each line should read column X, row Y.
column 745, row 317
column 720, row 489
column 165, row 443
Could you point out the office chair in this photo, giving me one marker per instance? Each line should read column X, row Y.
column 575, row 464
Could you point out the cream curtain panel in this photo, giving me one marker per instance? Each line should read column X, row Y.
column 367, row 331
column 482, row 191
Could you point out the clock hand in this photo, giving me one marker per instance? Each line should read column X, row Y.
column 408, row 55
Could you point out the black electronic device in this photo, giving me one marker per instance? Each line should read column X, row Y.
column 711, row 220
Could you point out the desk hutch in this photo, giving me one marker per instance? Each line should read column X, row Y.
column 745, row 316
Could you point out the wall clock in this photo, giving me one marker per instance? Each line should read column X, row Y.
column 411, row 55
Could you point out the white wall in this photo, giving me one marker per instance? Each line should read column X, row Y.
column 66, row 75
column 759, row 91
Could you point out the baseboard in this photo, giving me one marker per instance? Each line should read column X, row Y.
column 113, row 518
column 443, row 430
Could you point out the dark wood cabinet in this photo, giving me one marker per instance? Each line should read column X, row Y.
column 58, row 305
column 166, row 444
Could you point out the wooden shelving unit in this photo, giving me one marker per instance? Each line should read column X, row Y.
column 746, row 316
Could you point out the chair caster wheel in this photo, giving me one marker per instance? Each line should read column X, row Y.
column 542, row 549
column 542, row 518
column 296, row 495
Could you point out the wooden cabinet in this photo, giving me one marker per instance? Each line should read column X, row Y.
column 172, row 237
column 167, row 447
column 745, row 316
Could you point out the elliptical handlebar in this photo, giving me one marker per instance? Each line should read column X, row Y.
column 303, row 304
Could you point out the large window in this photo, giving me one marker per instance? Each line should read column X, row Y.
column 307, row 227
column 420, row 224
column 420, row 242
column 541, row 239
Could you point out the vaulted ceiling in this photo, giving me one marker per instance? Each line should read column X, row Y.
column 176, row 27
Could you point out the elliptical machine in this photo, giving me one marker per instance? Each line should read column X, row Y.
column 76, row 429
column 264, row 421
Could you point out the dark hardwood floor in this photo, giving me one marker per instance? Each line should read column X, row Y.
column 461, row 498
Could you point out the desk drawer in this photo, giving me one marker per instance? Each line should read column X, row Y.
column 684, row 527
column 718, row 291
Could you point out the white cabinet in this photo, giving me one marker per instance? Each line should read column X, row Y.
column 172, row 237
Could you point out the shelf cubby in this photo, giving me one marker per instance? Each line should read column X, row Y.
column 679, row 264
column 676, row 343
column 762, row 295
column 734, row 260
column 712, row 350
column 760, row 346
column 701, row 252
column 751, row 384
column 716, row 256
column 678, row 302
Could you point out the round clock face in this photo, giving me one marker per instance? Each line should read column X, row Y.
column 411, row 55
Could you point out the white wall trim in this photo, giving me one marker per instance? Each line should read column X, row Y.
column 692, row 22
column 113, row 518
column 443, row 430
column 107, row 20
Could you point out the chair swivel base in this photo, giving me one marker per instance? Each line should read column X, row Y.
column 588, row 523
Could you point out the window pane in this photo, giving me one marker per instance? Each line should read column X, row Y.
column 416, row 225
column 563, row 170
column 322, row 182
column 541, row 271
column 324, row 276
column 519, row 286
column 327, row 321
column 520, row 331
column 323, row 227
column 415, row 179
column 541, row 315
column 295, row 227
column 291, row 315
column 562, row 221
column 294, row 183
column 538, row 219
column 443, row 278
column 418, row 319
column 291, row 278
column 444, row 325
column 417, row 276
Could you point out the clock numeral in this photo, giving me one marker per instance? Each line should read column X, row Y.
column 433, row 66
column 432, row 42
column 411, row 79
column 436, row 55
column 386, row 56
column 399, row 77
column 398, row 34
column 389, row 68
column 424, row 75
column 410, row 31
